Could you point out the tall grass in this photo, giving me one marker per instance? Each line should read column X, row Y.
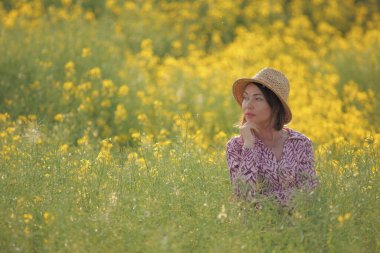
column 180, row 202
column 114, row 120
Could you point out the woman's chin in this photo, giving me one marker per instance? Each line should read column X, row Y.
column 250, row 120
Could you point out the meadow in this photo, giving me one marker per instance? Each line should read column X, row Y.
column 114, row 116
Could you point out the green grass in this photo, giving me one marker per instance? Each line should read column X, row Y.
column 172, row 204
column 180, row 201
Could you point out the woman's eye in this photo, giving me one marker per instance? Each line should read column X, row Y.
column 259, row 99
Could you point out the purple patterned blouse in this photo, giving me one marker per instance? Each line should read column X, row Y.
column 256, row 170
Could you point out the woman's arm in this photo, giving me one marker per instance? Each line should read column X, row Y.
column 243, row 172
column 306, row 176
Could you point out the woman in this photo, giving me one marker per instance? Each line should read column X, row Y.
column 268, row 159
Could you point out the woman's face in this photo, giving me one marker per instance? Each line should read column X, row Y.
column 255, row 107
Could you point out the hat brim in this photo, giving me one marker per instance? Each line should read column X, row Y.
column 238, row 88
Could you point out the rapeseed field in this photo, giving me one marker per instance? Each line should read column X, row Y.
column 114, row 116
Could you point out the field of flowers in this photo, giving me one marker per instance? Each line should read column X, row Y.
column 114, row 117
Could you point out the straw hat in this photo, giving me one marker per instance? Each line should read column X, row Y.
column 273, row 80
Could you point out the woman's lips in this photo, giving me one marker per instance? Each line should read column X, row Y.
column 249, row 114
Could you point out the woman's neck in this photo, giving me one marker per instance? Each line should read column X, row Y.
column 266, row 134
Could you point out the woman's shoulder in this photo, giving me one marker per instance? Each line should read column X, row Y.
column 297, row 136
column 236, row 140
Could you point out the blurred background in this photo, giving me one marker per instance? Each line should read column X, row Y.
column 122, row 69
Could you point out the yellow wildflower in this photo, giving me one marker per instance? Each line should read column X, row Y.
column 27, row 217
column 120, row 113
column 123, row 90
column 84, row 167
column 129, row 5
column 141, row 162
column 68, row 86
column 86, row 52
column 132, row 156
column 105, row 103
column 58, row 117
column 63, row 148
column 142, row 118
column 10, row 130
column 70, row 68
column 4, row 117
column 83, row 140
column 89, row 16
column 48, row 217
column 220, row 137
column 176, row 44
column 107, row 84
column 66, row 3
column 105, row 151
column 343, row 218
column 136, row 136
column 95, row 72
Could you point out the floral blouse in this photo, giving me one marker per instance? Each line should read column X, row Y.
column 256, row 170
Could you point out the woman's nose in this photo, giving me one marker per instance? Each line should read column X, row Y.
column 249, row 103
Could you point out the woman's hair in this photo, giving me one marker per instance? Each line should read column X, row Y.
column 278, row 111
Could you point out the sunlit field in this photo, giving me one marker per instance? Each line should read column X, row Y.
column 114, row 116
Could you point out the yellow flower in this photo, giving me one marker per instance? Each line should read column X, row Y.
column 105, row 103
column 32, row 117
column 136, row 136
column 68, row 86
column 107, row 84
column 120, row 114
column 70, row 68
column 89, row 16
column 95, row 72
column 10, row 19
column 220, row 137
column 123, row 90
column 141, row 162
column 48, row 217
column 27, row 217
column 176, row 44
column 66, row 3
column 36, row 85
column 157, row 105
column 105, row 151
column 86, row 52
column 129, row 5
column 58, row 117
column 4, row 117
column 83, row 140
column 10, row 130
column 63, row 148
column 344, row 218
column 132, row 156
column 84, row 167
column 142, row 117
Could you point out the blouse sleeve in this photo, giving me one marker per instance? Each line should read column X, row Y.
column 243, row 172
column 306, row 176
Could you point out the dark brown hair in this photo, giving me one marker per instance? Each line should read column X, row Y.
column 278, row 111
